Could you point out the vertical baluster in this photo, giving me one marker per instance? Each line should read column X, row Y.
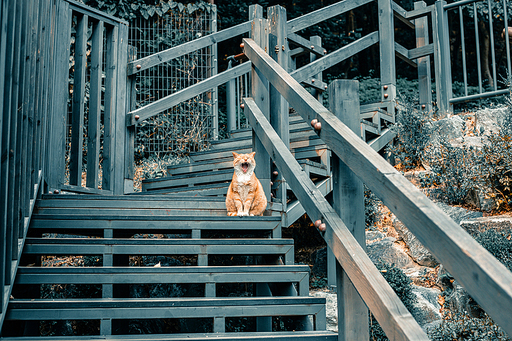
column 77, row 117
column 493, row 54
column 507, row 39
column 477, row 38
column 463, row 41
column 442, row 59
column 93, row 129
column 424, row 73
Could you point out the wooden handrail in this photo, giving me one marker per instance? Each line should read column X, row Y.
column 324, row 13
column 473, row 266
column 335, row 57
column 183, row 49
column 167, row 102
column 373, row 288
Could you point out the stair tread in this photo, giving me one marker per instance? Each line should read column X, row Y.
column 161, row 241
column 31, row 270
column 174, row 218
column 73, row 303
column 246, row 336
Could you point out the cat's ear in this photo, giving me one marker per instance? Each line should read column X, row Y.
column 252, row 154
column 235, row 155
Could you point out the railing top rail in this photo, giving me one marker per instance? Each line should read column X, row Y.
column 183, row 49
column 473, row 266
column 322, row 14
column 459, row 3
column 96, row 14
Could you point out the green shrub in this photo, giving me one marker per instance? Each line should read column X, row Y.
column 371, row 208
column 498, row 245
column 466, row 328
column 402, row 286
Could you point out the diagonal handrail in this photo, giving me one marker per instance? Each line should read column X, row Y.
column 473, row 266
column 391, row 313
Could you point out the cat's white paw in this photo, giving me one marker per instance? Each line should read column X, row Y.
column 252, row 215
column 242, row 214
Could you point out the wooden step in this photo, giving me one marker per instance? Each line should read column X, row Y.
column 125, row 222
column 158, row 308
column 158, row 205
column 189, row 180
column 153, row 246
column 293, row 120
column 221, row 177
column 298, row 274
column 299, row 132
column 320, row 335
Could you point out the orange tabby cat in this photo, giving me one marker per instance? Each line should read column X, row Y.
column 245, row 193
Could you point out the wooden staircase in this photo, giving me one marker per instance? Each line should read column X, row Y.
column 158, row 264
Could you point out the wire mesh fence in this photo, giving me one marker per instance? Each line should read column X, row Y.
column 190, row 125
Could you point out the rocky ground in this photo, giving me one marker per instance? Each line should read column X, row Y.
column 389, row 240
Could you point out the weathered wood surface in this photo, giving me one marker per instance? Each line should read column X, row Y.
column 73, row 309
column 373, row 288
column 464, row 258
column 306, row 44
column 335, row 57
column 183, row 49
column 248, row 336
column 186, row 94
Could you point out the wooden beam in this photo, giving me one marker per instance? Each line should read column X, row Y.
column 373, row 288
column 465, row 259
column 335, row 57
column 185, row 94
column 402, row 53
column 306, row 44
column 183, row 49
column 422, row 51
column 325, row 13
column 401, row 14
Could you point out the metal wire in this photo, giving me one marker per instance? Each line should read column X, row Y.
column 190, row 125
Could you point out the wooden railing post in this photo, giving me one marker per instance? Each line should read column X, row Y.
column 231, row 100
column 316, row 40
column 279, row 117
column 442, row 59
column 424, row 76
column 260, row 93
column 387, row 53
column 130, row 130
column 348, row 202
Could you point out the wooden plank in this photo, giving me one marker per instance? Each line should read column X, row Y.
column 181, row 274
column 424, row 73
column 112, row 36
column 335, row 57
column 60, row 94
column 77, row 121
column 417, row 13
column 380, row 142
column 94, row 118
column 401, row 14
column 75, row 309
column 169, row 101
column 95, row 13
column 402, row 53
column 319, row 335
column 373, row 288
column 348, row 202
column 131, row 104
column 422, row 51
column 119, row 136
column 463, row 257
column 324, row 13
column 306, row 44
column 188, row 47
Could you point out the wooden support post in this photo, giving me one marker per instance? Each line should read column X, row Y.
column 279, row 117
column 120, row 180
column 348, row 202
column 260, row 93
column 442, row 59
column 130, row 130
column 231, row 102
column 107, row 289
column 387, row 53
column 424, row 77
column 316, row 40
column 213, row 69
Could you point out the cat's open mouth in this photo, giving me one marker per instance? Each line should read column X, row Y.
column 245, row 167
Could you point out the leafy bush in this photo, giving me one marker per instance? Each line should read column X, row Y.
column 414, row 129
column 402, row 286
column 371, row 208
column 466, row 328
column 498, row 245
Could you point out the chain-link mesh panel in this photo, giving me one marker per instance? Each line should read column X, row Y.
column 188, row 126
